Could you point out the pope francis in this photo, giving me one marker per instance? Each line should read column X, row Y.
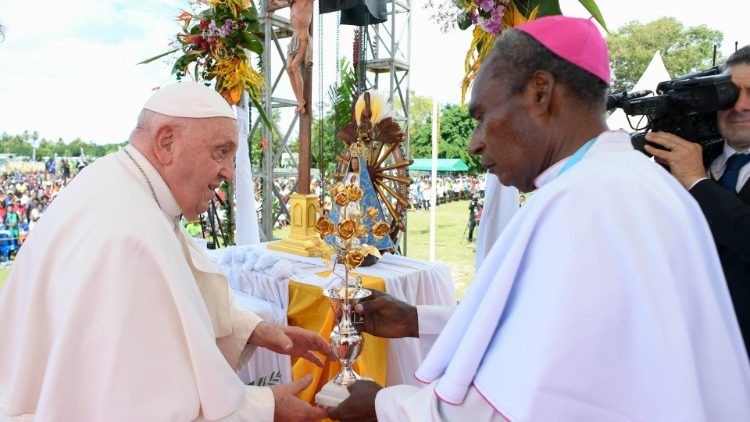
column 112, row 313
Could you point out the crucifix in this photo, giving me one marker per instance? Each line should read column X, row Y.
column 304, row 206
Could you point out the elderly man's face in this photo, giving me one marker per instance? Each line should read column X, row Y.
column 203, row 157
column 734, row 123
column 505, row 135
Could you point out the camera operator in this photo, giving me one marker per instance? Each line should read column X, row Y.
column 474, row 212
column 723, row 191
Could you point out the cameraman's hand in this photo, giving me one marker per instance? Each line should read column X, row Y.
column 684, row 159
column 386, row 316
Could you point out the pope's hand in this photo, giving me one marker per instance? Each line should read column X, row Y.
column 287, row 407
column 360, row 405
column 293, row 341
column 386, row 316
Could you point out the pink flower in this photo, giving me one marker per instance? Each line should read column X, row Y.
column 486, row 5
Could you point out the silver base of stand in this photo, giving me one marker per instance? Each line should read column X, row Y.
column 332, row 394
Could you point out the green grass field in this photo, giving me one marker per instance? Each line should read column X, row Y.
column 451, row 247
column 3, row 275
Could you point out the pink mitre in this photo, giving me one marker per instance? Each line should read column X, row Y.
column 189, row 99
column 576, row 40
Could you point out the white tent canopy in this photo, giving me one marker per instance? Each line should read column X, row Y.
column 655, row 72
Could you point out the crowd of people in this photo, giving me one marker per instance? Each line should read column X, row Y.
column 448, row 188
column 27, row 190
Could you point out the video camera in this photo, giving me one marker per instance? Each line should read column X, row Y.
column 684, row 106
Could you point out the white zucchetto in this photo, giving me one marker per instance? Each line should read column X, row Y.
column 189, row 99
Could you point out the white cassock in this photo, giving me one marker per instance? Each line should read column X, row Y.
column 603, row 300
column 500, row 205
column 112, row 312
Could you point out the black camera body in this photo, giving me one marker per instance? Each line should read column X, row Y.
column 684, row 106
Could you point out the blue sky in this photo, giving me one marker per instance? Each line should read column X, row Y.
column 68, row 68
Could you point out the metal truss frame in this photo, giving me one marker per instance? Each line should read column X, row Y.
column 388, row 52
column 277, row 31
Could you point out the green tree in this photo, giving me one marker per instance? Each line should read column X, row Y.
column 420, row 109
column 456, row 128
column 340, row 96
column 684, row 50
column 23, row 145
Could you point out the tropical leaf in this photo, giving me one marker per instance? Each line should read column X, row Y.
column 252, row 42
column 592, row 8
column 263, row 115
column 464, row 20
column 341, row 96
column 545, row 7
column 157, row 57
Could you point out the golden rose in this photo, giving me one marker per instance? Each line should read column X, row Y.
column 335, row 189
column 361, row 230
column 372, row 213
column 324, row 226
column 353, row 259
column 354, row 192
column 341, row 199
column 346, row 229
column 381, row 229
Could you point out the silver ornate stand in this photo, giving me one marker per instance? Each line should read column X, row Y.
column 346, row 342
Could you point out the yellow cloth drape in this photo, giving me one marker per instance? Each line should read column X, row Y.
column 308, row 308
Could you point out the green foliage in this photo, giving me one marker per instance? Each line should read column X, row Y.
column 22, row 145
column 456, row 128
column 684, row 50
column 256, row 150
column 552, row 7
column 420, row 109
column 341, row 98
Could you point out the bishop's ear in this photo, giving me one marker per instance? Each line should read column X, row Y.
column 164, row 144
column 540, row 88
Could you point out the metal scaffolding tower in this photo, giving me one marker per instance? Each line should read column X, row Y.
column 388, row 54
column 278, row 32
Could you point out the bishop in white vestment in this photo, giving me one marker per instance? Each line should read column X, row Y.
column 603, row 299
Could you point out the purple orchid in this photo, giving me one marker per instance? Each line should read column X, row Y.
column 486, row 5
column 227, row 28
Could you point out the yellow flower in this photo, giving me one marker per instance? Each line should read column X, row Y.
column 381, row 229
column 346, row 229
column 372, row 213
column 353, row 259
column 354, row 192
column 324, row 226
column 361, row 230
column 341, row 199
column 335, row 189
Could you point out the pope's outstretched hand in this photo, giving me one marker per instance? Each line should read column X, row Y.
column 289, row 408
column 293, row 341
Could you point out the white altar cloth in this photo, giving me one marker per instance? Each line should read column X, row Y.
column 264, row 274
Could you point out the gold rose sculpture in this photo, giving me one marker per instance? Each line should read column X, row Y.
column 346, row 234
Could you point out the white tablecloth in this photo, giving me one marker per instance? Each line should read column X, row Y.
column 258, row 273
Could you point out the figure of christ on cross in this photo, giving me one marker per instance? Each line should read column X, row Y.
column 299, row 52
